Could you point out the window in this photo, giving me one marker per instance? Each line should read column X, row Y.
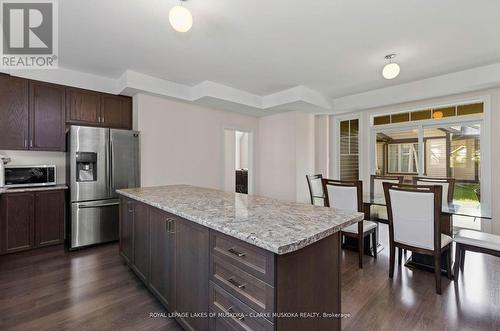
column 403, row 158
column 442, row 142
column 397, row 152
column 349, row 153
column 429, row 114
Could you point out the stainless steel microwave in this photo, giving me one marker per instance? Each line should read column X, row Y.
column 25, row 176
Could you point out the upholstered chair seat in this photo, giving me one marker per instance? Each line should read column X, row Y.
column 478, row 239
column 379, row 212
column 348, row 195
column 367, row 226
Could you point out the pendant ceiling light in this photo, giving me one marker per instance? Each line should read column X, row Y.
column 180, row 18
column 391, row 70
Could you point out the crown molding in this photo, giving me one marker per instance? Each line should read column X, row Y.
column 298, row 98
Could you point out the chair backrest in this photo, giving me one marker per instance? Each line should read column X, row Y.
column 376, row 181
column 448, row 185
column 316, row 189
column 347, row 195
column 414, row 215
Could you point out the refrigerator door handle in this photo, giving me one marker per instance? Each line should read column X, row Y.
column 99, row 205
column 111, row 179
column 107, row 163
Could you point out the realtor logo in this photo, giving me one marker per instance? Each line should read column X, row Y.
column 29, row 34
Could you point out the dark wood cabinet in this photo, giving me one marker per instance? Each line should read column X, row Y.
column 83, row 107
column 116, row 111
column 47, row 117
column 31, row 219
column 14, row 114
column 176, row 252
column 127, row 229
column 17, row 221
column 195, row 270
column 192, row 242
column 162, row 248
column 49, row 218
column 141, row 241
column 34, row 114
column 98, row 109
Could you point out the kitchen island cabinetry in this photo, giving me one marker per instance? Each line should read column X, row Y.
column 225, row 261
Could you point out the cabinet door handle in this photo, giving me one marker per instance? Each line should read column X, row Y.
column 25, row 142
column 172, row 226
column 235, row 283
column 130, row 203
column 31, row 142
column 167, row 226
column 231, row 311
column 235, row 252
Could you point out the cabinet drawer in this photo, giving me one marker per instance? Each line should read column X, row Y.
column 234, row 312
column 247, row 288
column 257, row 262
column 219, row 323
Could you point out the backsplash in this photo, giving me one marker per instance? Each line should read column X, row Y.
column 40, row 158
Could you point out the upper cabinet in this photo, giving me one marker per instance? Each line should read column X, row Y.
column 34, row 115
column 47, row 120
column 98, row 109
column 14, row 113
column 116, row 111
column 83, row 107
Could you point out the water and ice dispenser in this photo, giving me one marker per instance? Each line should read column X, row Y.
column 86, row 167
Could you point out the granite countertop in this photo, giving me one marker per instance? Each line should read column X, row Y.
column 277, row 226
column 32, row 189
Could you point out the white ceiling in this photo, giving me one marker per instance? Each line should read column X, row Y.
column 335, row 47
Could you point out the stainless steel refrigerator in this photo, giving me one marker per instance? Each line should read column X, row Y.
column 99, row 161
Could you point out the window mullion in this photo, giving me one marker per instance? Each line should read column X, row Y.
column 421, row 152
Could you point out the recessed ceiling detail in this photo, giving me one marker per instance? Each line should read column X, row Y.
column 299, row 98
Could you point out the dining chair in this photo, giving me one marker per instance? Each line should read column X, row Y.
column 316, row 189
column 348, row 195
column 378, row 212
column 473, row 241
column 414, row 224
column 448, row 185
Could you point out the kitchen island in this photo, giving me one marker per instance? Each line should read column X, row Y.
column 229, row 261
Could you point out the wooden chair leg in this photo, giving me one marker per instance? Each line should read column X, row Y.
column 374, row 243
column 400, row 255
column 392, row 260
column 361, row 240
column 462, row 259
column 437, row 271
column 458, row 257
column 448, row 263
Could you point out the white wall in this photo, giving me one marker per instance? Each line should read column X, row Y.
column 321, row 145
column 241, row 150
column 244, row 151
column 286, row 147
column 184, row 143
column 230, row 159
column 40, row 158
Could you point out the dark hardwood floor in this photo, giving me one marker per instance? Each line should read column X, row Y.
column 92, row 289
column 409, row 301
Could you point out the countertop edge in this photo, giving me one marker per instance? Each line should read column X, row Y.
column 33, row 189
column 280, row 250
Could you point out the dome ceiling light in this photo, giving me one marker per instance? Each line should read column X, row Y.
column 391, row 70
column 180, row 18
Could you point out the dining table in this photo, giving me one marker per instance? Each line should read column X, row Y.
column 448, row 209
